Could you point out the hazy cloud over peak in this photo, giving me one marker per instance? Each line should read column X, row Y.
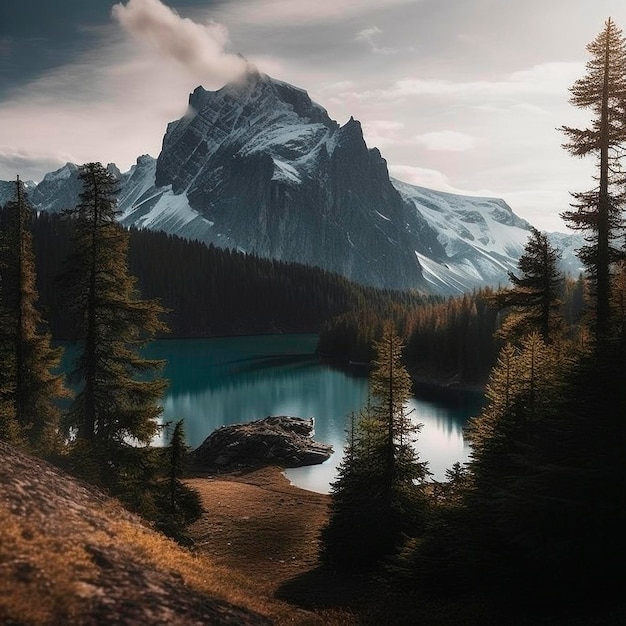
column 198, row 47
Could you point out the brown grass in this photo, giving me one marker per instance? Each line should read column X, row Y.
column 61, row 547
column 40, row 574
column 260, row 527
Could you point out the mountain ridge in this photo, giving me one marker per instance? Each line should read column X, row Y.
column 259, row 167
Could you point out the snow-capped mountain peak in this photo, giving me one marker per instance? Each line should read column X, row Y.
column 258, row 166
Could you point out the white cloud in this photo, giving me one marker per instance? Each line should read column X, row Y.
column 114, row 103
column 446, row 141
column 551, row 79
column 201, row 48
column 369, row 36
column 421, row 176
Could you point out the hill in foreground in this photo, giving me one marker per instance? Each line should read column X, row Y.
column 71, row 555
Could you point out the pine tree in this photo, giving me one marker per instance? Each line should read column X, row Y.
column 376, row 499
column 533, row 301
column 118, row 397
column 597, row 212
column 31, row 386
column 180, row 505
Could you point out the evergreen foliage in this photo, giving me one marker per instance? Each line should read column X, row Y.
column 211, row 291
column 377, row 498
column 179, row 505
column 447, row 340
column 533, row 302
column 31, row 385
column 118, row 398
column 598, row 211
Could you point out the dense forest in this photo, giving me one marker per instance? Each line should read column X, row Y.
column 447, row 342
column 209, row 291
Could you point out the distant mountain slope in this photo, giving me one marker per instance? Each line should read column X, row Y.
column 259, row 167
column 482, row 237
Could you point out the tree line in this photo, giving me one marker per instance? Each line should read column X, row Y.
column 208, row 291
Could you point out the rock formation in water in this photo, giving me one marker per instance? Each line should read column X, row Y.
column 275, row 440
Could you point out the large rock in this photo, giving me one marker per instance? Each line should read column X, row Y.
column 275, row 440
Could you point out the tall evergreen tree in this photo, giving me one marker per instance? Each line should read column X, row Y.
column 597, row 212
column 118, row 397
column 533, row 301
column 31, row 385
column 377, row 497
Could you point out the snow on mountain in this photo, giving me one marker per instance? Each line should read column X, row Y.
column 482, row 237
column 568, row 244
column 58, row 190
column 260, row 167
column 264, row 169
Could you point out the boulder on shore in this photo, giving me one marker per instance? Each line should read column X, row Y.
column 274, row 440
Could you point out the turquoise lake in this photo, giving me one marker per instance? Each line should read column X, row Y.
column 239, row 379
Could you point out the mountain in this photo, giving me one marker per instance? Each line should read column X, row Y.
column 7, row 190
column 482, row 238
column 259, row 167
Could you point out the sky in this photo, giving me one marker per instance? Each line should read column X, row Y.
column 464, row 96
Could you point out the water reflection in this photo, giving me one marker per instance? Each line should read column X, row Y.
column 238, row 379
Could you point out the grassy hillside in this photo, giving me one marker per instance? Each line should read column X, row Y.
column 70, row 555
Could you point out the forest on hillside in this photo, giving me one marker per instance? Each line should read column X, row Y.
column 209, row 291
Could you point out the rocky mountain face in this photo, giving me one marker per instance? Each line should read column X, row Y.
column 258, row 166
column 270, row 173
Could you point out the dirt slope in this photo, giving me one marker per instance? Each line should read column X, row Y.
column 70, row 555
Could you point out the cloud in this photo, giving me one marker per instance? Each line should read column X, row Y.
column 369, row 36
column 547, row 79
column 384, row 133
column 111, row 109
column 201, row 48
column 421, row 176
column 446, row 141
column 29, row 165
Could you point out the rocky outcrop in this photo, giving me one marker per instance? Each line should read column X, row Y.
column 275, row 440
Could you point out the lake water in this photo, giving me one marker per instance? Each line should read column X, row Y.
column 239, row 379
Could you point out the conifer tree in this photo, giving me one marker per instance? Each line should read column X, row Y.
column 118, row 397
column 597, row 212
column 533, row 301
column 31, row 386
column 180, row 505
column 376, row 498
